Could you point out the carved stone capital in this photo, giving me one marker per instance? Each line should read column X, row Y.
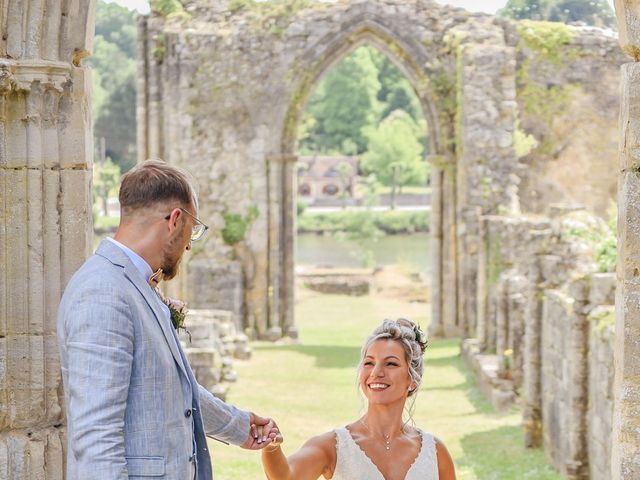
column 23, row 74
column 628, row 13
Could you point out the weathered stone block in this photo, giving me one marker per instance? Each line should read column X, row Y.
column 216, row 286
column 602, row 289
column 628, row 13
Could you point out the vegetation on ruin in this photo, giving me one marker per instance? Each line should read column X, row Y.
column 604, row 317
column 600, row 236
column 546, row 47
column 309, row 388
column 592, row 12
column 167, row 7
column 236, row 225
column 546, row 39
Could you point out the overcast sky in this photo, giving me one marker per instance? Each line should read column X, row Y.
column 489, row 6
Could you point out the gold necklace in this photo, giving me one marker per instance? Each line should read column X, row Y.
column 387, row 438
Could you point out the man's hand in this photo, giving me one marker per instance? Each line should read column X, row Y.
column 262, row 432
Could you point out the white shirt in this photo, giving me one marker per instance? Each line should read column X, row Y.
column 143, row 267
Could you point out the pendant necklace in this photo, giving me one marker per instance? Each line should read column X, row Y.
column 387, row 438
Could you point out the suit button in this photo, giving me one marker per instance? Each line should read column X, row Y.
column 191, row 458
column 187, row 412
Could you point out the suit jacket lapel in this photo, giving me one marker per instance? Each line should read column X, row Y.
column 115, row 255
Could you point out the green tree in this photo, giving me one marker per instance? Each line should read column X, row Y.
column 345, row 173
column 591, row 12
column 526, row 9
column 114, row 68
column 106, row 177
column 343, row 104
column 394, row 153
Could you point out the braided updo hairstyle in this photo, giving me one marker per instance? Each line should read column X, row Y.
column 412, row 339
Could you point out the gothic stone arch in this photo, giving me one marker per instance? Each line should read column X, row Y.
column 222, row 92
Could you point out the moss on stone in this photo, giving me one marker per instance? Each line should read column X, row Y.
column 167, row 8
column 494, row 263
column 603, row 319
column 547, row 46
column 546, row 39
column 236, row 225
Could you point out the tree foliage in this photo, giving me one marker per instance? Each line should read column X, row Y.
column 591, row 12
column 114, row 93
column 106, row 178
column 395, row 154
column 359, row 93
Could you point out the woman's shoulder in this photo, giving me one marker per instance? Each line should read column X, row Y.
column 325, row 441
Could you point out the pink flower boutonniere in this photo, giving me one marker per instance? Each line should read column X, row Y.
column 178, row 310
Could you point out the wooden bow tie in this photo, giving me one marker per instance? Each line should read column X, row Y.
column 156, row 278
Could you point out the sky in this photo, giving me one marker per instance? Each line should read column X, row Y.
column 489, row 6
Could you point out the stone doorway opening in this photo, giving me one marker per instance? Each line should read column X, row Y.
column 364, row 40
column 361, row 190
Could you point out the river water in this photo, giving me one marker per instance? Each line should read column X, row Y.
column 412, row 251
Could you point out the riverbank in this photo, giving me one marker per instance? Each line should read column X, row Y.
column 390, row 222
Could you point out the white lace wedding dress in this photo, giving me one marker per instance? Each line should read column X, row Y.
column 353, row 464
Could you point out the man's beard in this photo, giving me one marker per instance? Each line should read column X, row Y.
column 171, row 257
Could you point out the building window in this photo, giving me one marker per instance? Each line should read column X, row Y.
column 304, row 189
column 330, row 189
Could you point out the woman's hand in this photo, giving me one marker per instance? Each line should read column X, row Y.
column 262, row 432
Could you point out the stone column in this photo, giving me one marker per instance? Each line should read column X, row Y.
column 289, row 234
column 276, row 256
column 282, row 245
column 45, row 220
column 625, row 463
column 436, row 328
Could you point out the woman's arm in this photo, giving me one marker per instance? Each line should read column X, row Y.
column 446, row 470
column 310, row 462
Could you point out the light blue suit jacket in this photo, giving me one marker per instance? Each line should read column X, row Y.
column 134, row 409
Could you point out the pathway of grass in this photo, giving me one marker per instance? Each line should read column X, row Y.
column 310, row 388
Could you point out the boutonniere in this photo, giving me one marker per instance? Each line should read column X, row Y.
column 177, row 309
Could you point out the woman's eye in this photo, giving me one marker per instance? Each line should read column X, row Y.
column 392, row 364
column 368, row 363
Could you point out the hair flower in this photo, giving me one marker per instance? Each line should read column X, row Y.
column 421, row 338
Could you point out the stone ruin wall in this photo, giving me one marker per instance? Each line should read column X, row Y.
column 222, row 92
column 568, row 100
column 45, row 212
column 545, row 336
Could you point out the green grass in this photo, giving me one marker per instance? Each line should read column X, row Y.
column 309, row 388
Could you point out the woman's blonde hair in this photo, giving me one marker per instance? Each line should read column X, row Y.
column 413, row 341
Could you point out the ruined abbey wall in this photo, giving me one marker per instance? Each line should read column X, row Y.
column 45, row 158
column 45, row 211
column 222, row 90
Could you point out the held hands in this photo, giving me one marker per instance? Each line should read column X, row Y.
column 262, row 432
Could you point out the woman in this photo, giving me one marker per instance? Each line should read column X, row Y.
column 379, row 445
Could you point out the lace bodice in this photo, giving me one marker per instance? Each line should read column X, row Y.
column 353, row 464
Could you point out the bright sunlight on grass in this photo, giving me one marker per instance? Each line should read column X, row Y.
column 310, row 388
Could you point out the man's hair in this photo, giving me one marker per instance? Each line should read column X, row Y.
column 152, row 182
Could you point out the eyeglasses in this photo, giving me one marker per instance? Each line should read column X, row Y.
column 199, row 229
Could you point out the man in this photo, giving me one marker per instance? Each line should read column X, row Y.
column 134, row 408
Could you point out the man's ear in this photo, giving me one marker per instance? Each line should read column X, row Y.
column 174, row 216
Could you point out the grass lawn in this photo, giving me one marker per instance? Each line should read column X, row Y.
column 309, row 388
